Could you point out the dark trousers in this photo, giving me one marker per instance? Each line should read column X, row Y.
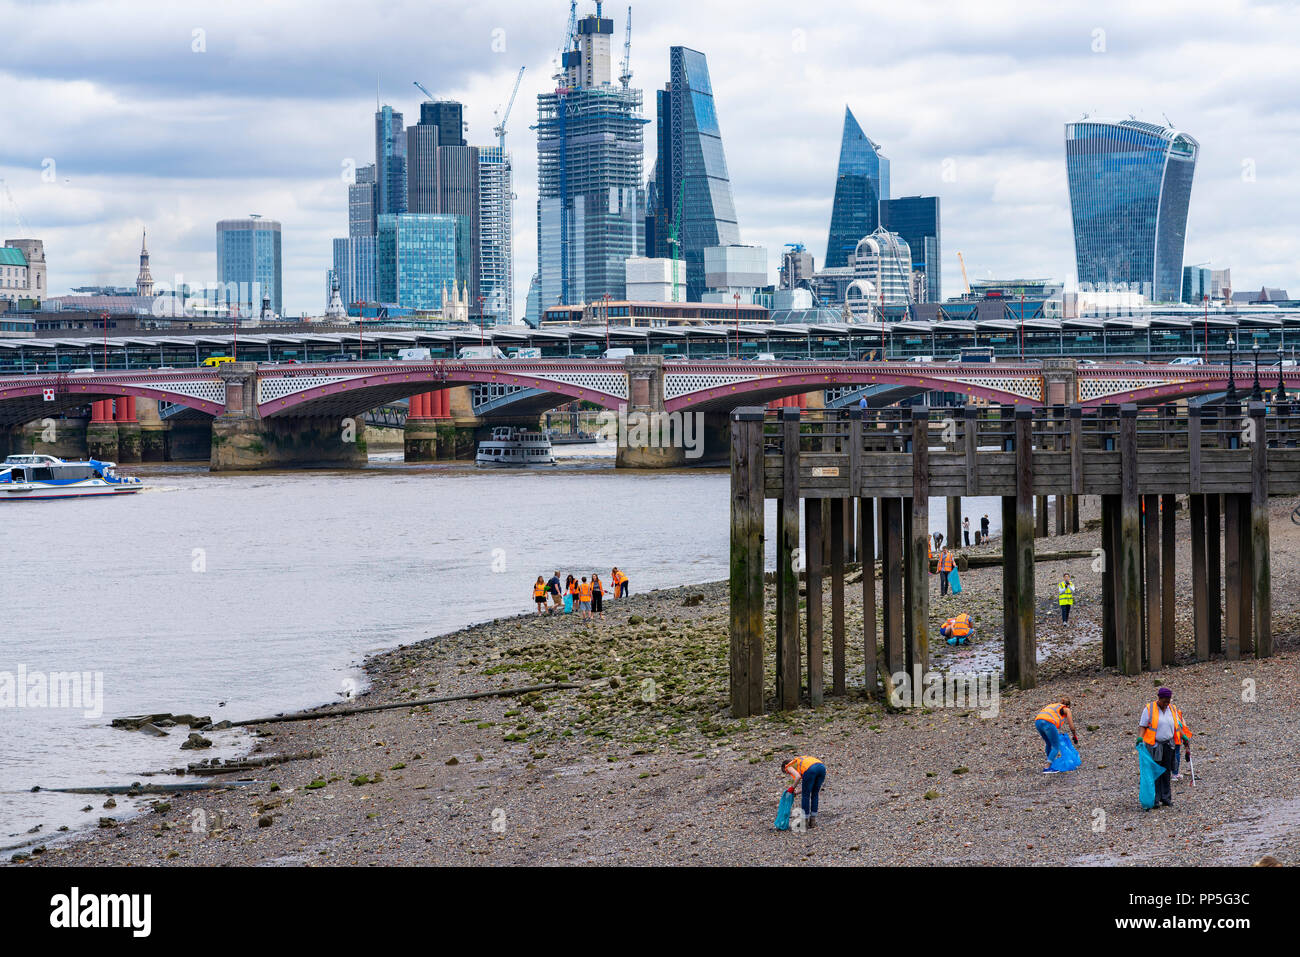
column 1163, row 752
column 1065, row 614
column 967, row 536
column 813, row 779
column 943, row 583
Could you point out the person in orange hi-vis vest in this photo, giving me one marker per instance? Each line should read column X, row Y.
column 584, row 597
column 810, row 774
column 1048, row 724
column 946, row 564
column 1163, row 730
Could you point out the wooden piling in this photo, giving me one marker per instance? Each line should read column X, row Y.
column 1259, row 534
column 1246, row 555
column 1167, row 516
column 1232, row 575
column 1109, row 538
column 1010, row 584
column 1214, row 571
column 1200, row 586
column 787, row 675
column 891, row 531
column 919, row 566
column 1024, row 593
column 746, row 562
column 1076, row 466
column 1129, row 591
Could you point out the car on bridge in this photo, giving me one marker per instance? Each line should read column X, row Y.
column 1187, row 361
column 341, row 357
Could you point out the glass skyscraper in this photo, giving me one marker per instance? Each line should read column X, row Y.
column 591, row 202
column 248, row 264
column 1130, row 187
column 496, row 232
column 690, row 177
column 916, row 219
column 861, row 182
column 419, row 256
column 390, row 162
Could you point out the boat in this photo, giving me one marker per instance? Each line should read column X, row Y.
column 510, row 447
column 571, row 438
column 42, row 477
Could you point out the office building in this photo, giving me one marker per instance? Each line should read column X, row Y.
column 861, row 182
column 362, row 202
column 419, row 257
column 249, row 264
column 496, row 279
column 354, row 265
column 882, row 274
column 797, row 266
column 656, row 280
column 390, row 162
column 591, row 203
column 1196, row 284
column 447, row 116
column 22, row 270
column 1130, row 188
column 692, row 197
column 734, row 270
column 916, row 219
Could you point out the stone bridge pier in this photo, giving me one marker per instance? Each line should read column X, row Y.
column 242, row 440
column 646, row 438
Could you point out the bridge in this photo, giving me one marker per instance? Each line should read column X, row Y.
column 268, row 414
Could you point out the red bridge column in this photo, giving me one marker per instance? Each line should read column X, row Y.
column 420, row 442
column 101, row 432
column 128, row 429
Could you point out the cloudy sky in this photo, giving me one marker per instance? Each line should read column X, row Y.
column 123, row 115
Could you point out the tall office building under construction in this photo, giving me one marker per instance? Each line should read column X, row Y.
column 591, row 204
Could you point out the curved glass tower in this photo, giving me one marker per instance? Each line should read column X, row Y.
column 1130, row 186
column 861, row 182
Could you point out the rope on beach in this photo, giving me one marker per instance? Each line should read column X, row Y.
column 344, row 712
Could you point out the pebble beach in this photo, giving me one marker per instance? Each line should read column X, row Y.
column 641, row 763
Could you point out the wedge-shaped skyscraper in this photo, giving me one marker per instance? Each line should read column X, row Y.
column 860, row 184
column 1130, row 187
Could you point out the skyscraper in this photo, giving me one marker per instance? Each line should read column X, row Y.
column 691, row 186
column 419, row 257
column 916, row 219
column 1130, row 187
column 248, row 264
column 860, row 184
column 448, row 117
column 496, row 233
column 591, row 204
column 390, row 162
column 361, row 202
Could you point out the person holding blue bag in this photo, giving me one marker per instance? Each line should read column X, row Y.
column 1048, row 724
column 810, row 773
column 945, row 569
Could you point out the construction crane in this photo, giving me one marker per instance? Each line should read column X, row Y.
column 570, row 32
column 500, row 128
column 626, row 78
column 675, row 240
column 963, row 272
column 423, row 89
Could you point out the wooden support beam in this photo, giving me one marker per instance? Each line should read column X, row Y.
column 746, row 562
column 1151, row 543
column 1110, row 562
column 1129, row 591
column 1167, row 642
column 891, row 533
column 1040, row 516
column 1025, row 596
column 954, row 521
column 1214, row 571
column 838, row 508
column 1076, row 458
column 919, row 566
column 1259, row 536
column 1010, row 582
column 787, row 628
column 970, row 442
column 1232, row 575
column 1246, row 554
column 867, row 535
column 1200, row 587
column 814, row 535
column 1194, row 449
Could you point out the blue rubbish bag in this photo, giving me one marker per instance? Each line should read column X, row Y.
column 954, row 581
column 1148, row 769
column 782, row 822
column 568, row 604
column 1067, row 758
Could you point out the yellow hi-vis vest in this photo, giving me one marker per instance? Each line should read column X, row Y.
column 1066, row 596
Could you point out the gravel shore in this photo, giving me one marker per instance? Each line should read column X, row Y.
column 644, row 765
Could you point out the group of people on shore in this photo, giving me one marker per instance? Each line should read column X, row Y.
column 584, row 596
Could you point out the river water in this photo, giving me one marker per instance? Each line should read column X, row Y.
column 239, row 596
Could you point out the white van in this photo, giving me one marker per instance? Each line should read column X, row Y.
column 921, row 359
column 413, row 355
column 480, row 352
column 617, row 354
column 527, row 353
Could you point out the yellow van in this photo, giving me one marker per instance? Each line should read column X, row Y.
column 214, row 361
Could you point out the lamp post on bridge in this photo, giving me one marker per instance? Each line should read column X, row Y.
column 1280, row 395
column 1232, row 378
column 1256, row 393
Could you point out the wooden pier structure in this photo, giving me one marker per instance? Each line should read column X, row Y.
column 864, row 479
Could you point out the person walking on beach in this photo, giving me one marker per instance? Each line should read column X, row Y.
column 984, row 528
column 597, row 596
column 571, row 589
column 1048, row 724
column 1065, row 597
column 1163, row 730
column 810, row 773
column 553, row 586
column 539, row 595
column 965, row 530
column 584, row 598
column 946, row 565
